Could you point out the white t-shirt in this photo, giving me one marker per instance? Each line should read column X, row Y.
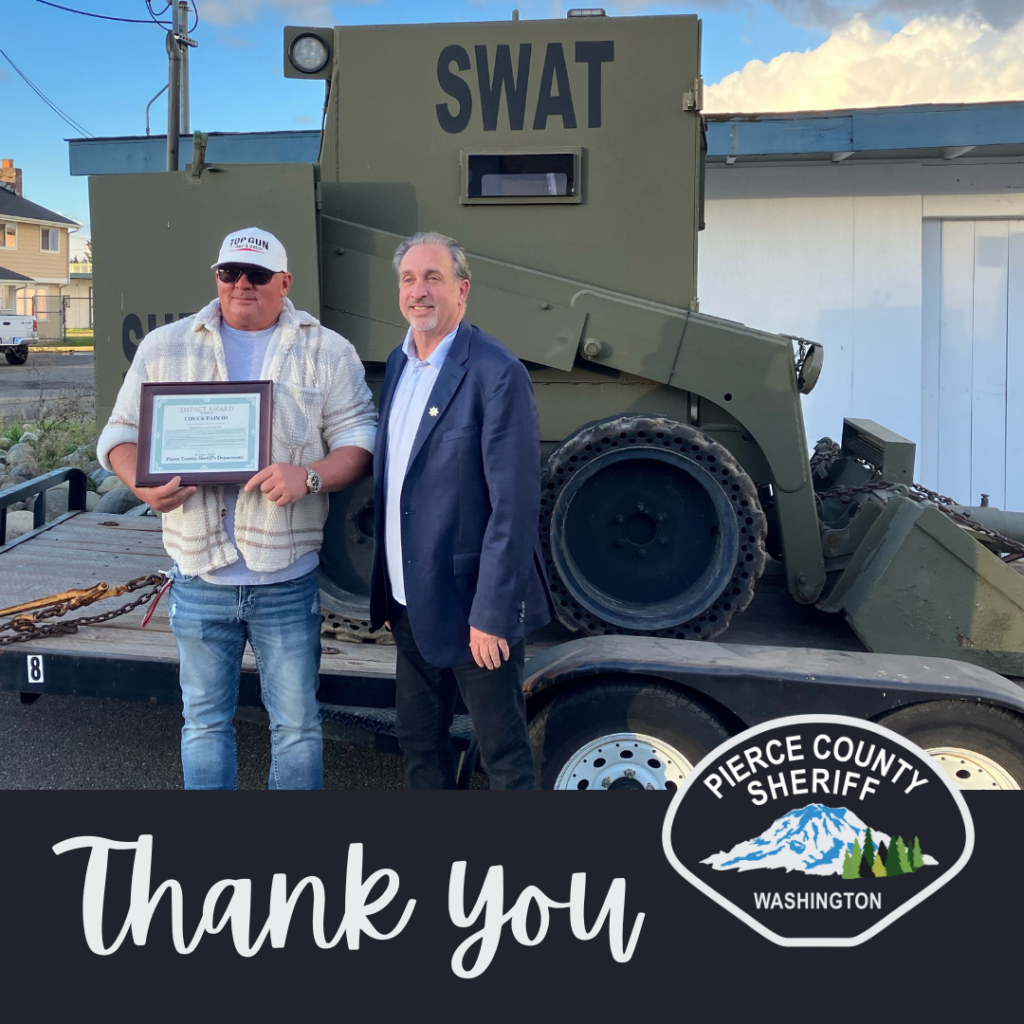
column 244, row 353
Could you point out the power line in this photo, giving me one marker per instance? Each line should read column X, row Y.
column 102, row 17
column 153, row 15
column 53, row 106
column 153, row 18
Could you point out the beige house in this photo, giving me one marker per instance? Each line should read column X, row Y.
column 34, row 244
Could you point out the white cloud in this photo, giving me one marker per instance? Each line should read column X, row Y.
column 936, row 59
column 299, row 12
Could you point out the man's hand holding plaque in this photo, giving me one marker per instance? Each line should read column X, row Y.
column 283, row 484
column 164, row 498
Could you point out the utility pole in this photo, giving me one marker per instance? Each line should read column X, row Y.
column 186, row 128
column 178, row 44
column 173, row 91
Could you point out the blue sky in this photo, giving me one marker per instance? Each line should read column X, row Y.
column 103, row 73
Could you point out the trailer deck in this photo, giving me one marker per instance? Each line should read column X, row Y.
column 118, row 659
column 775, row 655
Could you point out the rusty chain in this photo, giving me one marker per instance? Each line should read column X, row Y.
column 923, row 495
column 25, row 627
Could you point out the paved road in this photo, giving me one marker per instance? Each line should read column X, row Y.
column 82, row 743
column 46, row 376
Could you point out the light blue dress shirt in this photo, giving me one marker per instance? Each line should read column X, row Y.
column 408, row 408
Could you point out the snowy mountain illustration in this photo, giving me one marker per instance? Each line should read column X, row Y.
column 813, row 839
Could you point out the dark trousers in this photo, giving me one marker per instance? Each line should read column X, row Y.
column 425, row 704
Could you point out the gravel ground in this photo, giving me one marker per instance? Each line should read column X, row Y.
column 84, row 743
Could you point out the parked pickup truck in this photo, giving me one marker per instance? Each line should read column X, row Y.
column 16, row 334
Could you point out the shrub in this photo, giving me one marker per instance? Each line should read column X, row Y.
column 58, row 438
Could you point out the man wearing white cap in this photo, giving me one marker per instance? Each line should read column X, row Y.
column 246, row 558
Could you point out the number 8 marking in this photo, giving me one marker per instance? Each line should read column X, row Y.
column 35, row 669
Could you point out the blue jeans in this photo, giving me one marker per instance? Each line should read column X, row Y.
column 281, row 621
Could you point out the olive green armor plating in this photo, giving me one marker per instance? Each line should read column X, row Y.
column 567, row 157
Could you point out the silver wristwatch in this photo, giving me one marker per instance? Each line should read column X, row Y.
column 313, row 482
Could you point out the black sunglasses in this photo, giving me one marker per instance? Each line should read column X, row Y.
column 254, row 275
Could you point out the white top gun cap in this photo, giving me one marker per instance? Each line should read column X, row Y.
column 255, row 247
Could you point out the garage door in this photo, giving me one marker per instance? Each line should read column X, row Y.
column 973, row 361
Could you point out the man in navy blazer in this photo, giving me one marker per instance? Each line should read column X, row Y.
column 457, row 497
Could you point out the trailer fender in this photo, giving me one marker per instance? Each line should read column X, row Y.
column 756, row 683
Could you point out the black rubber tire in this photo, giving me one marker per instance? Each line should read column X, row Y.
column 657, row 433
column 983, row 728
column 346, row 562
column 17, row 358
column 587, row 710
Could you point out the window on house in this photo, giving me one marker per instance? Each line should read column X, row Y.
column 49, row 240
column 9, row 236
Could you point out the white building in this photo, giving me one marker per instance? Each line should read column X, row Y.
column 78, row 297
column 895, row 236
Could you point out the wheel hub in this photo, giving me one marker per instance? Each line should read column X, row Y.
column 971, row 770
column 624, row 760
column 641, row 528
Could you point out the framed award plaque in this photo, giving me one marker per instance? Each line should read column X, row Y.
column 206, row 432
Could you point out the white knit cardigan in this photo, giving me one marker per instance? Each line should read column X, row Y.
column 321, row 402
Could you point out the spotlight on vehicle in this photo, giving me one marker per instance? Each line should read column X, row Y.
column 307, row 52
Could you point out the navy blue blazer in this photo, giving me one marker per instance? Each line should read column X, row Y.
column 470, row 503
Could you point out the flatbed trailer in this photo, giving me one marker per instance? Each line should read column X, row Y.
column 600, row 707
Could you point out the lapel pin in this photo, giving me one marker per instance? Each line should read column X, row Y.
column 433, row 410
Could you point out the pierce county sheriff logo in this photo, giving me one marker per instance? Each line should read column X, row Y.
column 818, row 830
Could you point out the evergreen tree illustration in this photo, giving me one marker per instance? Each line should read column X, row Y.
column 865, row 867
column 878, row 868
column 917, row 857
column 851, row 864
column 882, row 853
column 869, row 847
column 901, row 849
column 910, row 858
column 892, row 861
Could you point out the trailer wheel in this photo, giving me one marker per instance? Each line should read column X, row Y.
column 651, row 528
column 621, row 734
column 978, row 745
column 16, row 357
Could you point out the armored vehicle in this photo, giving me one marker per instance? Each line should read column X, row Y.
column 678, row 488
column 568, row 157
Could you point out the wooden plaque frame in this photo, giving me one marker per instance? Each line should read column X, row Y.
column 264, row 388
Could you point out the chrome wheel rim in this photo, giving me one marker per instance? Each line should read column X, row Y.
column 970, row 770
column 624, row 760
